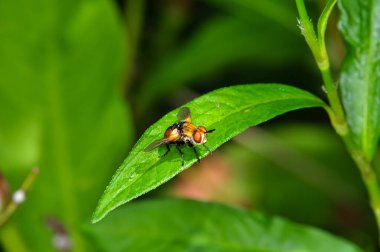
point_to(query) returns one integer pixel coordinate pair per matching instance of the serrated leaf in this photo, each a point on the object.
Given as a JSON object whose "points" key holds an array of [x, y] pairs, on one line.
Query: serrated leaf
{"points": [[360, 78], [228, 110], [185, 225]]}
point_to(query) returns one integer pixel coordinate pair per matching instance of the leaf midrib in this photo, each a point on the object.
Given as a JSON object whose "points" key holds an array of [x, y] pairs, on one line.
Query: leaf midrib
{"points": [[369, 87], [124, 187]]}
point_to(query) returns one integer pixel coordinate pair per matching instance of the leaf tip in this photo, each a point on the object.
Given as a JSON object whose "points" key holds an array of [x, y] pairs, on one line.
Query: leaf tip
{"points": [[96, 217], [98, 214]]}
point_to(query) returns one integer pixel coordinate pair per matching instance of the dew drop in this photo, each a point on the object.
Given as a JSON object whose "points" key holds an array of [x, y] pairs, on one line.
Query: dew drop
{"points": [[132, 175], [19, 196]]}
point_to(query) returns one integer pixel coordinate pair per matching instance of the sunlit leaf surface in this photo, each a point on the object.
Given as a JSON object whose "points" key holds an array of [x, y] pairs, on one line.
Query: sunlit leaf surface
{"points": [[228, 110], [360, 78]]}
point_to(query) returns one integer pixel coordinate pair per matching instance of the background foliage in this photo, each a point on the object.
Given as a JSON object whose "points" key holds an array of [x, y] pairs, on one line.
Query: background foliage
{"points": [[81, 80], [61, 110]]}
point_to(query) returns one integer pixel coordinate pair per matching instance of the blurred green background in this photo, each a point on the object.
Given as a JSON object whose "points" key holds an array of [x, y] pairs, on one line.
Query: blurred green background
{"points": [[81, 80]]}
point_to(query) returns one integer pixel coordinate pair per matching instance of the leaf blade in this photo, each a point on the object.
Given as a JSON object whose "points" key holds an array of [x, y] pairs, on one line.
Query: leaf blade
{"points": [[60, 110], [182, 225], [228, 110], [360, 81], [202, 54]]}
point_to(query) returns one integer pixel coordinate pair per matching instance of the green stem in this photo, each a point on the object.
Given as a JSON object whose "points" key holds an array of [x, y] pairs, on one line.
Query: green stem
{"points": [[307, 30], [318, 48], [336, 113], [338, 119], [370, 180], [12, 206]]}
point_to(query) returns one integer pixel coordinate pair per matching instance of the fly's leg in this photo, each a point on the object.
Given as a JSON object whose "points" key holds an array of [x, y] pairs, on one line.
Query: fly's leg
{"points": [[196, 154], [167, 151], [207, 149], [195, 151], [209, 131], [180, 152]]}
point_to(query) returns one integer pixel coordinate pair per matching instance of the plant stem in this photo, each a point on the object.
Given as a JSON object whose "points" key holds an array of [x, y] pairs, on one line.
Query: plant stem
{"points": [[338, 120], [12, 206], [336, 113], [318, 48], [307, 30], [370, 180]]}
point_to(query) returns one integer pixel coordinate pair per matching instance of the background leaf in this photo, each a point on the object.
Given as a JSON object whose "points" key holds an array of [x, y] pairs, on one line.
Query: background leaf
{"points": [[279, 168], [228, 110], [280, 12], [60, 109], [360, 79], [183, 225], [212, 49], [305, 177]]}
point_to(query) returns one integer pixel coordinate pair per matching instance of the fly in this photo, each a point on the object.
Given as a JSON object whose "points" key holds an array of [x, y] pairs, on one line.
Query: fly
{"points": [[184, 132]]}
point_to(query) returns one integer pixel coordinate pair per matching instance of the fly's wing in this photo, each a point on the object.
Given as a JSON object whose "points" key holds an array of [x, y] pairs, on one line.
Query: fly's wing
{"points": [[155, 144], [184, 115]]}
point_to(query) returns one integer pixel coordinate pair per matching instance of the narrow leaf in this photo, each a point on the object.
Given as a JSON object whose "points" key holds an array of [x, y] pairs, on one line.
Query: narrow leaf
{"points": [[212, 48], [228, 110], [322, 21], [185, 225], [360, 78], [279, 11]]}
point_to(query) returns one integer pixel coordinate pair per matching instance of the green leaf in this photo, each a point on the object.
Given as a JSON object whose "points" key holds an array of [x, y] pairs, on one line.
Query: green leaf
{"points": [[322, 21], [213, 48], [228, 110], [279, 11], [60, 109], [185, 225], [265, 161], [360, 78]]}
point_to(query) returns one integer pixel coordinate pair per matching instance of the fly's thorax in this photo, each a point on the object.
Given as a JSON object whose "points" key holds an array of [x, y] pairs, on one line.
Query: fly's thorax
{"points": [[188, 129]]}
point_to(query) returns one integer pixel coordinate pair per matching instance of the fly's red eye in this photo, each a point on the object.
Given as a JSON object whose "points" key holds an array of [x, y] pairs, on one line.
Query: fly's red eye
{"points": [[197, 136]]}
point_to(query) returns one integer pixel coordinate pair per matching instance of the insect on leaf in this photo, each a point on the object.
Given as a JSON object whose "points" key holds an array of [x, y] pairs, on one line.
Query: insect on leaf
{"points": [[228, 110]]}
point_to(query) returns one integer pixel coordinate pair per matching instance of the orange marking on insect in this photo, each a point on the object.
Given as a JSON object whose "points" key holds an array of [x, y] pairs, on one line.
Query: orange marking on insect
{"points": [[181, 133]]}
